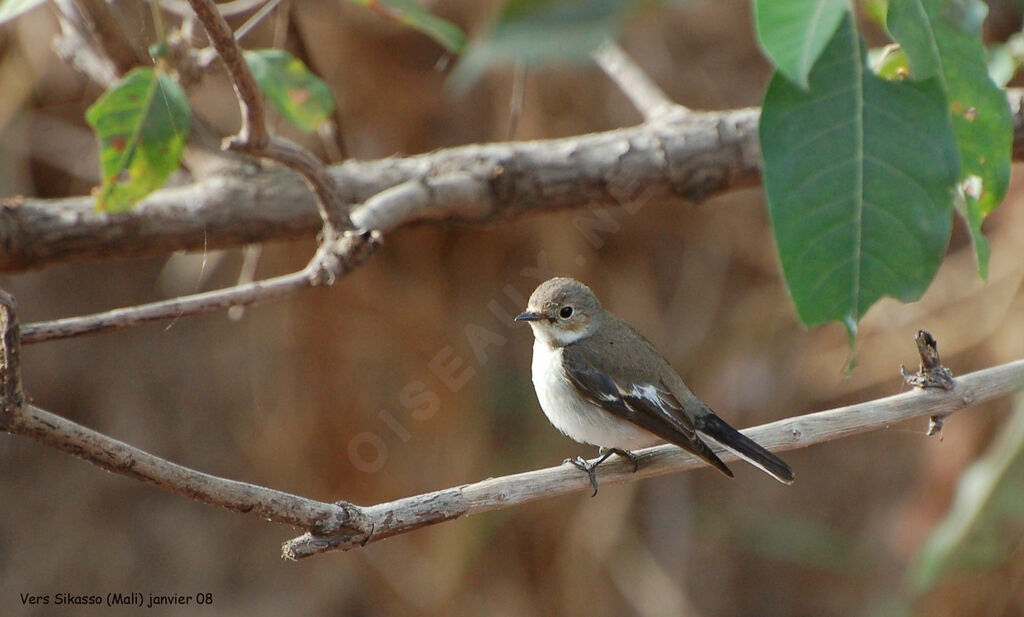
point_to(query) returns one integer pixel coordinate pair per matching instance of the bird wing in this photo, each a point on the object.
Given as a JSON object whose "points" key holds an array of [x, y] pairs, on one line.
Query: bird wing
{"points": [[650, 405]]}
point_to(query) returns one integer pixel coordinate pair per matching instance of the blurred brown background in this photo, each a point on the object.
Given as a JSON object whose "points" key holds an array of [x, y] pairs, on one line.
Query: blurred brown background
{"points": [[303, 394]]}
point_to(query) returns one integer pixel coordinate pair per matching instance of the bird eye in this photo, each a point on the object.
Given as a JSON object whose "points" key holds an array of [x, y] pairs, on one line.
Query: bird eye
{"points": [[566, 312]]}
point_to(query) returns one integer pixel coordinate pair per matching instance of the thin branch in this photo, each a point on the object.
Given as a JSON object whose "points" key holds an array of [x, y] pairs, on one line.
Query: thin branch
{"points": [[251, 254], [516, 97], [19, 418], [77, 46], [330, 203], [255, 19], [105, 28], [404, 515], [650, 100], [253, 133], [331, 261], [233, 8], [253, 137]]}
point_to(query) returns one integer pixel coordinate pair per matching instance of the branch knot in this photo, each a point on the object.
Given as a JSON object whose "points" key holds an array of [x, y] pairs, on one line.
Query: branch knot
{"points": [[339, 254]]}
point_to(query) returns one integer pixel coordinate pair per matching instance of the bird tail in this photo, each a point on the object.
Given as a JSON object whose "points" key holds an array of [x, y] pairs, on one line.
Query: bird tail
{"points": [[744, 447]]}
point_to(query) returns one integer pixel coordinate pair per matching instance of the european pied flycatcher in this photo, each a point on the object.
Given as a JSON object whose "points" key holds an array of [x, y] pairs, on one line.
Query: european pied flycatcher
{"points": [[600, 382]]}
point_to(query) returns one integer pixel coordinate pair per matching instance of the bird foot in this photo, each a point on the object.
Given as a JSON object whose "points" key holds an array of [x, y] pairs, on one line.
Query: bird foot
{"points": [[590, 468], [587, 468]]}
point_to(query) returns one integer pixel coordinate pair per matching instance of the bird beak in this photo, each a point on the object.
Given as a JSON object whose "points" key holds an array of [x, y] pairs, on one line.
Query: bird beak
{"points": [[529, 316]]}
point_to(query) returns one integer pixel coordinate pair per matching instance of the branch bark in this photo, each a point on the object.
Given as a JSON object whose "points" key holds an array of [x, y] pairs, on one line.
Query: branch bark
{"points": [[678, 160], [674, 160]]}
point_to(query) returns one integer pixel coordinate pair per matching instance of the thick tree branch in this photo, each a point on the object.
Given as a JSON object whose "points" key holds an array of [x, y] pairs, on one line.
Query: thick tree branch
{"points": [[674, 160]]}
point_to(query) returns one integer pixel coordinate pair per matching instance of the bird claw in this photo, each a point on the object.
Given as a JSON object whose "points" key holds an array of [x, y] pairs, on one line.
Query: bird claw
{"points": [[590, 468], [587, 468]]}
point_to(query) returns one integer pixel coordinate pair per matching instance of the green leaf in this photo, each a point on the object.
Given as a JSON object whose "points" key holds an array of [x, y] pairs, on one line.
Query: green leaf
{"points": [[942, 39], [541, 31], [793, 33], [142, 123], [297, 94], [986, 520], [11, 9], [859, 173], [411, 14]]}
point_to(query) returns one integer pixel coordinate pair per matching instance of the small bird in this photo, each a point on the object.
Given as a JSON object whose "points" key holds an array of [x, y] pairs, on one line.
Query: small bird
{"points": [[600, 382]]}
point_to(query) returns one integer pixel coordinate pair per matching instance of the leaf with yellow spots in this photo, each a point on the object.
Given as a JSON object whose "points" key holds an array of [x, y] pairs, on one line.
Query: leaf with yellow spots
{"points": [[142, 123], [942, 39], [296, 93]]}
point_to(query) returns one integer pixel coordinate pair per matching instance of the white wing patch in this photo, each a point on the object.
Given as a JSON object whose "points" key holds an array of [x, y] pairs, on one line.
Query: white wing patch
{"points": [[650, 393]]}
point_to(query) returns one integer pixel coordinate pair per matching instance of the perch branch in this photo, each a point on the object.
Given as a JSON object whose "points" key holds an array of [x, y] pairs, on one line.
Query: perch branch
{"points": [[404, 515], [343, 525]]}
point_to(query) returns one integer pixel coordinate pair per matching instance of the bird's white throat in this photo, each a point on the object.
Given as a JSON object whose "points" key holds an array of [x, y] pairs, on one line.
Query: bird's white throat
{"points": [[554, 336]]}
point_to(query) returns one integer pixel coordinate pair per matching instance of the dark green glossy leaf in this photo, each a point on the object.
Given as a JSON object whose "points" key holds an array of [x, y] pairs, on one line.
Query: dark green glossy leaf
{"points": [[297, 94], [142, 123], [859, 173]]}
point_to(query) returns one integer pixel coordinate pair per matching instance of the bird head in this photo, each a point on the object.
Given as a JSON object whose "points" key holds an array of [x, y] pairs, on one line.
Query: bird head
{"points": [[562, 311]]}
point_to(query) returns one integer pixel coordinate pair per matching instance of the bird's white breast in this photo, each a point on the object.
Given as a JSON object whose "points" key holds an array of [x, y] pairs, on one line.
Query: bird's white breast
{"points": [[575, 416]]}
